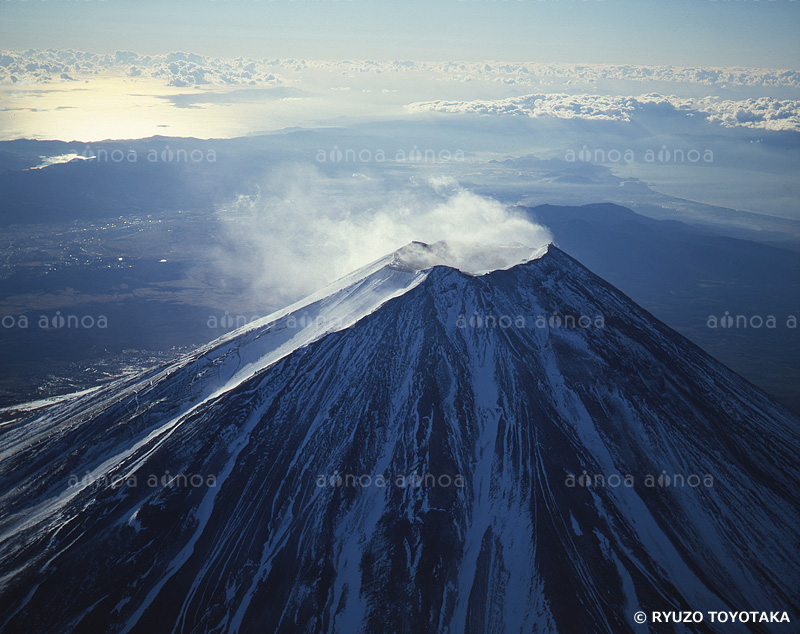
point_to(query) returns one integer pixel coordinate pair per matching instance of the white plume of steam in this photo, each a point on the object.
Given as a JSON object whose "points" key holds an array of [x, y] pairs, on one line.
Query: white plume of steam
{"points": [[304, 229]]}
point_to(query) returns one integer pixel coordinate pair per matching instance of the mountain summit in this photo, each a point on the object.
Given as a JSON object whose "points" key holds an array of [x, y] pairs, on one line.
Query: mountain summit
{"points": [[444, 441], [467, 257]]}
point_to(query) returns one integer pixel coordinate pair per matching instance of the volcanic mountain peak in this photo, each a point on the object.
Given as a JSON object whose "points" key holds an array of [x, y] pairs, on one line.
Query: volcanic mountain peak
{"points": [[468, 257], [412, 449], [342, 303]]}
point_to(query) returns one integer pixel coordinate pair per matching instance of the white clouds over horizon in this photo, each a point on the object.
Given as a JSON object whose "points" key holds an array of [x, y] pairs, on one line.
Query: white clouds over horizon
{"points": [[239, 96], [182, 69], [763, 113]]}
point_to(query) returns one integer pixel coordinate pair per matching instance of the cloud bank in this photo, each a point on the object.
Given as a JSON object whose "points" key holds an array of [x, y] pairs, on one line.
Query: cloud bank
{"points": [[174, 69], [763, 113], [182, 69]]}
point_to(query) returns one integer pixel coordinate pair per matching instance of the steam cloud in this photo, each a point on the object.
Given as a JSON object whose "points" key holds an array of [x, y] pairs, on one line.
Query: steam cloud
{"points": [[304, 229]]}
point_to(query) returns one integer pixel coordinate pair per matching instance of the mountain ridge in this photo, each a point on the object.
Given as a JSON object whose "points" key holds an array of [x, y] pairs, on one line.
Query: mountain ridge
{"points": [[514, 410]]}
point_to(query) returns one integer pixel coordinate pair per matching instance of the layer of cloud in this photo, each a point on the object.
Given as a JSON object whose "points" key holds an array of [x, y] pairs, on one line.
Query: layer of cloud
{"points": [[47, 161], [762, 113], [765, 112], [304, 230], [174, 69], [187, 69]]}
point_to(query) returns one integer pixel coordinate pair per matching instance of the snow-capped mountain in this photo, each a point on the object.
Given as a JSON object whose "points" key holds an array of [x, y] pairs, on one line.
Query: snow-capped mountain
{"points": [[448, 440]]}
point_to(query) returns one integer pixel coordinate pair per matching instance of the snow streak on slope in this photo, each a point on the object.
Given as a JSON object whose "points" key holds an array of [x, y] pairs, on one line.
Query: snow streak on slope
{"points": [[419, 375]]}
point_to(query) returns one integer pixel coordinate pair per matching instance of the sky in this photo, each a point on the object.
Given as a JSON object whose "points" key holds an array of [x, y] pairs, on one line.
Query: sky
{"points": [[754, 33], [725, 74]]}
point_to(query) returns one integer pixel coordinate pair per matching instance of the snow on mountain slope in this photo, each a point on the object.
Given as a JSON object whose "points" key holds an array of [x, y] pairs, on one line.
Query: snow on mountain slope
{"points": [[238, 490]]}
